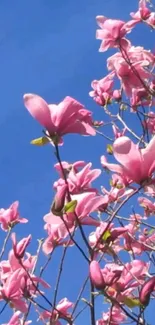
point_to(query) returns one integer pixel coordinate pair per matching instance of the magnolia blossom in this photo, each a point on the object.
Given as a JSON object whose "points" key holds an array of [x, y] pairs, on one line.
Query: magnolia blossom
{"points": [[112, 33], [151, 20], [102, 93], [150, 122], [86, 204], [61, 311], [20, 247], [11, 291], [138, 54], [143, 12], [137, 165], [104, 277], [67, 117], [117, 132], [78, 180], [67, 167], [106, 239], [16, 319], [57, 234], [132, 69], [146, 290], [140, 96], [149, 206], [116, 316], [132, 276], [10, 217]]}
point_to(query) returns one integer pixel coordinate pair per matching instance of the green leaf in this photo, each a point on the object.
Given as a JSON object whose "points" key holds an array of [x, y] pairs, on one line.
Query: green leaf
{"points": [[132, 302], [123, 107], [109, 149], [106, 235], [70, 206], [151, 231], [40, 141]]}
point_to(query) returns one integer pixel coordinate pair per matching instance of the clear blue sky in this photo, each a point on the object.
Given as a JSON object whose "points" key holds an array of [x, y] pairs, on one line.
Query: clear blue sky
{"points": [[48, 47]]}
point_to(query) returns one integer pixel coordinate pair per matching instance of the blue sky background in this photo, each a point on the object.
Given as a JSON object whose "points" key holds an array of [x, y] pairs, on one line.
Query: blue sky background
{"points": [[48, 47]]}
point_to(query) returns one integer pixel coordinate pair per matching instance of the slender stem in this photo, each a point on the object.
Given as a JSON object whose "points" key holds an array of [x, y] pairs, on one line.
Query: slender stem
{"points": [[3, 308], [34, 268], [79, 295], [69, 199], [129, 130], [115, 213], [59, 276], [92, 304]]}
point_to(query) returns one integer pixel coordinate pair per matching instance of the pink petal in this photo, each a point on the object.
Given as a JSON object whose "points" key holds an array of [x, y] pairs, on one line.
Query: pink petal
{"points": [[112, 167], [149, 156], [127, 153], [39, 109]]}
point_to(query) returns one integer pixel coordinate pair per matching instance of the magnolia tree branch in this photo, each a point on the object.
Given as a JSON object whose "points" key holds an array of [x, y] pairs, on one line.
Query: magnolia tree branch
{"points": [[117, 245]]}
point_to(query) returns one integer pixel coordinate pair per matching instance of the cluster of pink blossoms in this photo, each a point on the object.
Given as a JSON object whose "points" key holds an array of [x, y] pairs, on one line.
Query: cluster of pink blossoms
{"points": [[132, 66], [119, 249]]}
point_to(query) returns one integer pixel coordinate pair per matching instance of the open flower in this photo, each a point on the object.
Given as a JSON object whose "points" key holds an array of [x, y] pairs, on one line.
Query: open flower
{"points": [[69, 116], [10, 217], [137, 165], [112, 32], [102, 89], [143, 12]]}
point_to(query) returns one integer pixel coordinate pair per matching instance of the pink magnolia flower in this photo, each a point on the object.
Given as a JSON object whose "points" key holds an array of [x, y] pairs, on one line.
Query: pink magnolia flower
{"points": [[127, 76], [104, 277], [12, 264], [147, 288], [61, 311], [132, 276], [79, 180], [67, 117], [102, 92], [11, 291], [135, 54], [102, 237], [7, 267], [16, 320], [151, 20], [86, 204], [143, 13], [67, 167], [112, 33], [140, 60], [150, 122], [137, 165], [138, 240], [10, 217], [130, 242], [149, 206], [116, 193], [117, 95], [63, 306], [140, 97], [132, 273], [117, 132], [20, 247], [96, 276], [116, 316], [57, 234], [145, 241], [149, 188], [28, 286]]}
